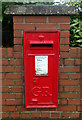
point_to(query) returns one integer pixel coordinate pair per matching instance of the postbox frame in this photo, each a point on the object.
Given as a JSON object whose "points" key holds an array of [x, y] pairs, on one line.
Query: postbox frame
{"points": [[25, 69]]}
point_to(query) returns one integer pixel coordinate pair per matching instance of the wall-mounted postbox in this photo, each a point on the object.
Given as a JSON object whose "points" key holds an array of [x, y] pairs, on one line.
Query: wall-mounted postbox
{"points": [[41, 53]]}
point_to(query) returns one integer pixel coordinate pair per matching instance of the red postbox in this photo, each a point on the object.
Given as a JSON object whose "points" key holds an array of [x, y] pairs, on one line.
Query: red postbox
{"points": [[41, 56]]}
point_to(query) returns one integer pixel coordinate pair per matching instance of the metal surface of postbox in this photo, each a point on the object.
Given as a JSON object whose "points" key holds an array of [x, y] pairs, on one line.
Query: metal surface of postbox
{"points": [[41, 56]]}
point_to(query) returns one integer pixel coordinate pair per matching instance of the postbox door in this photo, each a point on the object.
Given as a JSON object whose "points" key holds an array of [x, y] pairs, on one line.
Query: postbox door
{"points": [[41, 84]]}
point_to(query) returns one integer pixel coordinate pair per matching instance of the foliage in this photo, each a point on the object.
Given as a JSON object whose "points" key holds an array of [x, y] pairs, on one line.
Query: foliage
{"points": [[75, 27], [75, 33]]}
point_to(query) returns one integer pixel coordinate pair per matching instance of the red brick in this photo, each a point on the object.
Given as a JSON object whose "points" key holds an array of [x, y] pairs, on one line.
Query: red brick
{"points": [[73, 52], [2, 76], [1, 115], [7, 82], [0, 89], [18, 41], [64, 41], [9, 52], [79, 94], [5, 89], [73, 55], [18, 34], [4, 62], [63, 76], [70, 69], [75, 75], [80, 114], [64, 26], [24, 27], [64, 55], [75, 115], [79, 55], [17, 19], [78, 89], [69, 82], [78, 62], [7, 69], [15, 115], [64, 48], [64, 34], [8, 96], [35, 19], [65, 115], [60, 89], [25, 115], [53, 114], [19, 83], [13, 76], [62, 102], [19, 96], [18, 48], [79, 50], [66, 108], [74, 102], [59, 19], [16, 62], [1, 61], [18, 55], [2, 102], [35, 114], [1, 69], [68, 95], [81, 82], [19, 69], [71, 89], [5, 115], [69, 62], [0, 52], [79, 108], [14, 102], [17, 90], [45, 114], [21, 108], [46, 27], [8, 108], [4, 52]]}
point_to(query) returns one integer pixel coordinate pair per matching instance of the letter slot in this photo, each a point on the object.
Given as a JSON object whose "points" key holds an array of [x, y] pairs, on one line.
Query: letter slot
{"points": [[41, 45]]}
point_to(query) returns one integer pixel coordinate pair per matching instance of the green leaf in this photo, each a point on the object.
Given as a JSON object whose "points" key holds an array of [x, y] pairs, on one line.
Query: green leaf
{"points": [[77, 36], [72, 25], [80, 40], [77, 31], [5, 12]]}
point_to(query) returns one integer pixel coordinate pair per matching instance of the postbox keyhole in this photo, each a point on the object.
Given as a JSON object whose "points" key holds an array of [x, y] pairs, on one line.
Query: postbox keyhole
{"points": [[35, 80]]}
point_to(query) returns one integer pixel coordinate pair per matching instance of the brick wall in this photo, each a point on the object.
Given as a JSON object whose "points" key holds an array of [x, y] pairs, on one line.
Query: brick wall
{"points": [[69, 71]]}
